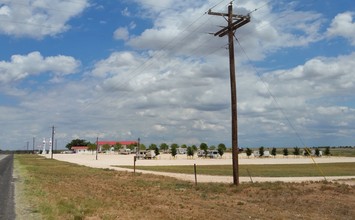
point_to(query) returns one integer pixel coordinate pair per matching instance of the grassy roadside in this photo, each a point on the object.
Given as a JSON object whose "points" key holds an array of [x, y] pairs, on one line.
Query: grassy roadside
{"points": [[274, 170], [60, 190]]}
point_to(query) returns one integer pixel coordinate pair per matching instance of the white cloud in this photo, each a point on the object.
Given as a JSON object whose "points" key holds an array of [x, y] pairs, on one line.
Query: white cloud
{"points": [[121, 34], [37, 19], [174, 86], [22, 66], [344, 26], [186, 31], [126, 12]]}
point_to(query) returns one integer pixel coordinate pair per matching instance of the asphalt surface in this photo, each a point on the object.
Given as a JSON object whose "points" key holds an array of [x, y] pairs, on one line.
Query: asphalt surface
{"points": [[7, 204]]}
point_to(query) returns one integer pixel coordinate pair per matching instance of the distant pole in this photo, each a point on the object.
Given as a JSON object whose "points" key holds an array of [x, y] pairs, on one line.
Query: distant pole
{"points": [[97, 146], [134, 164], [195, 174], [52, 142], [138, 147], [56, 144], [28, 146], [234, 22], [33, 145]]}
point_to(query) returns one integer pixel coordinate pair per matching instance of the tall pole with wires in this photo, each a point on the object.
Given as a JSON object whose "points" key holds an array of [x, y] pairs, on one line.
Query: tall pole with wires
{"points": [[234, 22]]}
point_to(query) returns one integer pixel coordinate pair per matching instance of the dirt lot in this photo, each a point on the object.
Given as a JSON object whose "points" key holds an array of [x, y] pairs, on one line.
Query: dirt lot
{"points": [[111, 160]]}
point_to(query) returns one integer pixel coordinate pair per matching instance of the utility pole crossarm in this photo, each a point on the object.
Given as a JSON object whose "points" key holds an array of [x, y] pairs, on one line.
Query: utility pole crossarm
{"points": [[210, 12], [235, 25]]}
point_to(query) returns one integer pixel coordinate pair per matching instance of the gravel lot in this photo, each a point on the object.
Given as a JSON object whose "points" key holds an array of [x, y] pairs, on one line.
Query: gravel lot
{"points": [[111, 160]]}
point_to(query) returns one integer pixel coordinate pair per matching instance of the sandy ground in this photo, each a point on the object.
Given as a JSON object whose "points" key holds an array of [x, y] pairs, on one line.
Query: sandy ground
{"points": [[111, 160]]}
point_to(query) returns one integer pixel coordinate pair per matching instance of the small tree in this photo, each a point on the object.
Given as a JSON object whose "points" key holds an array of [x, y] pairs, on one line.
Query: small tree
{"points": [[132, 146], [152, 147], [327, 151], [194, 148], [273, 152], [92, 147], [190, 151], [164, 147], [156, 150], [221, 149], [117, 146], [285, 152], [106, 147], [142, 147], [261, 151], [317, 152], [248, 152], [204, 147], [296, 151], [173, 150], [77, 142]]}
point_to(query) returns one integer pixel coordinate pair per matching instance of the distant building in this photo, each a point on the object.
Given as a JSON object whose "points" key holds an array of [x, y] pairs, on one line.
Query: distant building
{"points": [[84, 149], [80, 149], [124, 144]]}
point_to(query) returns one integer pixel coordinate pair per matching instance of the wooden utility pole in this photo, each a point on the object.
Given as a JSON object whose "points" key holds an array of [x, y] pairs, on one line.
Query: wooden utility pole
{"points": [[97, 146], [234, 22], [53, 131]]}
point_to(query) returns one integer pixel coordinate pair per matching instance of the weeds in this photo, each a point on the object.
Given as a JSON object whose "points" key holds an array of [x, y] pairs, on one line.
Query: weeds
{"points": [[66, 191]]}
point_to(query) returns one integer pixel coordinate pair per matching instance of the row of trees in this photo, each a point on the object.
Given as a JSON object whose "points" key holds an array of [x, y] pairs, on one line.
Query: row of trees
{"points": [[163, 147], [285, 151]]}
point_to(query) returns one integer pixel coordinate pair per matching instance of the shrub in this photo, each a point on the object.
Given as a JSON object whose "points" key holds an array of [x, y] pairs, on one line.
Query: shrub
{"points": [[296, 151], [248, 152], [285, 152], [261, 151], [273, 151]]}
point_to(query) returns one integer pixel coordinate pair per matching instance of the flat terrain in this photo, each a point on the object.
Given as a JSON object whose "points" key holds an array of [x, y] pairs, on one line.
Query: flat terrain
{"points": [[60, 190], [113, 161]]}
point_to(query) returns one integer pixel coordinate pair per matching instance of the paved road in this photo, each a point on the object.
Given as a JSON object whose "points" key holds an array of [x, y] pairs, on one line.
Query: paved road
{"points": [[7, 206]]}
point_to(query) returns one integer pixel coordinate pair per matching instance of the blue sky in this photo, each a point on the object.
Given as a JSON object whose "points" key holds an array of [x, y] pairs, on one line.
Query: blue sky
{"points": [[119, 70]]}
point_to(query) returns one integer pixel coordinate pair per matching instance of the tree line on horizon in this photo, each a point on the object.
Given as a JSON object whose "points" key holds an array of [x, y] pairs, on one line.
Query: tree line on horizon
{"points": [[163, 147]]}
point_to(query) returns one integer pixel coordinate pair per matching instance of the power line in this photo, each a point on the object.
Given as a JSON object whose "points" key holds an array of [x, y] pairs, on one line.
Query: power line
{"points": [[278, 106]]}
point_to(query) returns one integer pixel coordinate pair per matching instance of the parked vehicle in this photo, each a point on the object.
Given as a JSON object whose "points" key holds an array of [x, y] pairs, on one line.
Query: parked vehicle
{"points": [[141, 154], [125, 151], [201, 153], [212, 153], [150, 154]]}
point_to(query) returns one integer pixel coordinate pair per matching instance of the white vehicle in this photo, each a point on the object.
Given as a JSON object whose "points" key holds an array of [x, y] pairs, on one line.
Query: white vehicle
{"points": [[212, 153], [141, 154], [201, 153], [125, 151], [150, 154]]}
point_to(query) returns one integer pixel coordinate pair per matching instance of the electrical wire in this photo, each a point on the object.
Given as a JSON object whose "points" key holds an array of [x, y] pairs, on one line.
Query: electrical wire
{"points": [[278, 106]]}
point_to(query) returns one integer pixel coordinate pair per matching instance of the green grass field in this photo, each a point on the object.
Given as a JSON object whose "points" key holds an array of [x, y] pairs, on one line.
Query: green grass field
{"points": [[53, 189], [294, 170]]}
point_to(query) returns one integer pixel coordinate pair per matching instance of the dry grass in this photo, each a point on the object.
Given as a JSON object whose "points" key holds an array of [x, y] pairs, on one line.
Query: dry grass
{"points": [[65, 191], [270, 170]]}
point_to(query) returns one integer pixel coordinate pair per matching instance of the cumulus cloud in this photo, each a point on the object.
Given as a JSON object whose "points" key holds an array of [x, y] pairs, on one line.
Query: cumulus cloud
{"points": [[22, 66], [186, 31], [174, 86], [121, 34], [37, 19], [344, 26]]}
